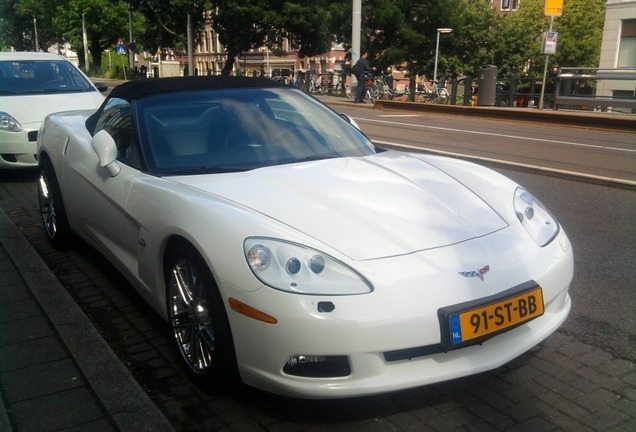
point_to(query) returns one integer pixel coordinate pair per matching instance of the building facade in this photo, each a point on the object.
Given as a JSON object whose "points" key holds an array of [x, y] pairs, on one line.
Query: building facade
{"points": [[618, 49]]}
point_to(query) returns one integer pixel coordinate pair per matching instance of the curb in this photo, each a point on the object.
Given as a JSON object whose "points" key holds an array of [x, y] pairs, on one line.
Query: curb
{"points": [[125, 401]]}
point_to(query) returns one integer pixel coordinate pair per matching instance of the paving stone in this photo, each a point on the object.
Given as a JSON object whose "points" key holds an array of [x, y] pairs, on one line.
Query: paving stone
{"points": [[598, 400], [563, 405], [490, 415], [14, 293], [24, 330], [56, 411], [563, 389], [521, 375], [606, 419], [533, 425], [595, 357], [31, 353], [526, 410], [618, 367], [524, 391], [12, 311], [566, 423], [40, 380], [451, 420]]}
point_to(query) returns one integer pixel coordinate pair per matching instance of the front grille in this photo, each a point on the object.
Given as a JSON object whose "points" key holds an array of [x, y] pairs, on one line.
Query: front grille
{"points": [[411, 353], [33, 136]]}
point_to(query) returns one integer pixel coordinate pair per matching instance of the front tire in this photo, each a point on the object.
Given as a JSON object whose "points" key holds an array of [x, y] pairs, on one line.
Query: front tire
{"points": [[198, 318], [52, 208]]}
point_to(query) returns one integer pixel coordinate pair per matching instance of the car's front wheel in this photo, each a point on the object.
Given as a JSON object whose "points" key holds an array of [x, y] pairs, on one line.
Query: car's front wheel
{"points": [[52, 208], [198, 318]]}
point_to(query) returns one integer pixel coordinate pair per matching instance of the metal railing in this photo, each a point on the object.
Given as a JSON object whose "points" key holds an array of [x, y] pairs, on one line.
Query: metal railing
{"points": [[569, 80]]}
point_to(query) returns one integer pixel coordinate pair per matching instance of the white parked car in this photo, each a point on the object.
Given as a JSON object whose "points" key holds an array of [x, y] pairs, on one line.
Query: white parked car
{"points": [[280, 243], [32, 85]]}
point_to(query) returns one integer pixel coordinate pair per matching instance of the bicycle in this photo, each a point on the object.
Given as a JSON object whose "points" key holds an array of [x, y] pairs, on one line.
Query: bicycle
{"points": [[438, 95], [383, 86]]}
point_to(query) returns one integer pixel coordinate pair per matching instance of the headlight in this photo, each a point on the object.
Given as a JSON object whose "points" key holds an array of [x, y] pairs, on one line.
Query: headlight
{"points": [[8, 123], [294, 268], [539, 223]]}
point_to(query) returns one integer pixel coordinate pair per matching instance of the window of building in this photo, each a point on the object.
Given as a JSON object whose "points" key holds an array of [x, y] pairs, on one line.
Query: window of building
{"points": [[507, 5], [627, 47]]}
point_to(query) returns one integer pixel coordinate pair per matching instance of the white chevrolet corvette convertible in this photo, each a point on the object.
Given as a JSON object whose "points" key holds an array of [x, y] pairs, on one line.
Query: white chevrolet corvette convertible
{"points": [[283, 247]]}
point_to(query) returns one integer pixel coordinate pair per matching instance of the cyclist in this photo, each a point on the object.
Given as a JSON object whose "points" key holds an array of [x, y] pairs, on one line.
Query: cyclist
{"points": [[358, 70]]}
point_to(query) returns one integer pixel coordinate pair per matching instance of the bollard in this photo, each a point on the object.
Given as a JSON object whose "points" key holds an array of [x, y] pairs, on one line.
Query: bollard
{"points": [[512, 91], [468, 90], [454, 84], [412, 88]]}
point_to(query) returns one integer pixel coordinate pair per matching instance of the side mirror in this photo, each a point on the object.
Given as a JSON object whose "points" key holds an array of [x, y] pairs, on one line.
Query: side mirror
{"points": [[351, 121], [104, 145], [101, 86]]}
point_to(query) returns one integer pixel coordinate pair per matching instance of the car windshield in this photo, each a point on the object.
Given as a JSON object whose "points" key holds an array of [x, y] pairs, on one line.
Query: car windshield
{"points": [[29, 77], [241, 129]]}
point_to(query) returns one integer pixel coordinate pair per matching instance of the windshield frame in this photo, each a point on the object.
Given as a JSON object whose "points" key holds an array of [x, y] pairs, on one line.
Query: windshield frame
{"points": [[236, 130], [27, 77]]}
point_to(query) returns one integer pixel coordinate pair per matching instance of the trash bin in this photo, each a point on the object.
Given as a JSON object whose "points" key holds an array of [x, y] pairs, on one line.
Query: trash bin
{"points": [[487, 85]]}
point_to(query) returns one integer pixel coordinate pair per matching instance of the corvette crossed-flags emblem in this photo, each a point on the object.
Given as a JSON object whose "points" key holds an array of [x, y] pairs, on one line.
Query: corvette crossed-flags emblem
{"points": [[478, 274]]}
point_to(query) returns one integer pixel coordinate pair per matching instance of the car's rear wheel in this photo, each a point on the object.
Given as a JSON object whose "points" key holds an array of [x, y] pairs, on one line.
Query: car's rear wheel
{"points": [[52, 207], [198, 318]]}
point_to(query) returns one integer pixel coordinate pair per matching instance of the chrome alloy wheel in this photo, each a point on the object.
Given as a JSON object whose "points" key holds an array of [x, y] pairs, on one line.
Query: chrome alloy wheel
{"points": [[47, 205], [190, 316]]}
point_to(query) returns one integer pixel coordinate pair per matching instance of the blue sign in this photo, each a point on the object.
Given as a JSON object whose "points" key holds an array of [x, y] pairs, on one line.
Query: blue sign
{"points": [[121, 49]]}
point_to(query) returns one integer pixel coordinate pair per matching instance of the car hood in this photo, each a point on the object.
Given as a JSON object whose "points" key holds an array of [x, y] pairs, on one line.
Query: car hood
{"points": [[30, 110], [377, 206]]}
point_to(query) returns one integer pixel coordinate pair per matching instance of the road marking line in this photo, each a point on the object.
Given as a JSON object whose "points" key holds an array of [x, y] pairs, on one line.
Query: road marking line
{"points": [[399, 115], [499, 135], [629, 183]]}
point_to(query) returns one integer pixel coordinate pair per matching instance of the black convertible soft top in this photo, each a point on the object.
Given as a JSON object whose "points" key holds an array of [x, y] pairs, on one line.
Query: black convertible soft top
{"points": [[149, 87]]}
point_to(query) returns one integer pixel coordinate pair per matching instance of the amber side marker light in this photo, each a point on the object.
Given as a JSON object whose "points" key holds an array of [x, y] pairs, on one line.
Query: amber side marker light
{"points": [[249, 311]]}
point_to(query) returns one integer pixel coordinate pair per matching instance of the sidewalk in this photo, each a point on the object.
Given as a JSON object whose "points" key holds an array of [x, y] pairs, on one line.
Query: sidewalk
{"points": [[56, 371]]}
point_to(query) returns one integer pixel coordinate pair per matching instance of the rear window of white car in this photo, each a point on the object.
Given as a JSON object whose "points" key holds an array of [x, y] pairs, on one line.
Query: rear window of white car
{"points": [[25, 77]]}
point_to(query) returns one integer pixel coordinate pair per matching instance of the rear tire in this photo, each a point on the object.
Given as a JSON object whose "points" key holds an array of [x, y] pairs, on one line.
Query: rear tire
{"points": [[198, 319], [52, 208]]}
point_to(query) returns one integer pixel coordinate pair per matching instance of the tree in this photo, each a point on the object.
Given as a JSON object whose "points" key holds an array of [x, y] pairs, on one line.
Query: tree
{"points": [[474, 39], [105, 20], [19, 20], [580, 31], [247, 24]]}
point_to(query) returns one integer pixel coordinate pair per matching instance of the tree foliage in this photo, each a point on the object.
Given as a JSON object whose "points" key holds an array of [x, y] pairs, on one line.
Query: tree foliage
{"points": [[247, 24], [400, 33]]}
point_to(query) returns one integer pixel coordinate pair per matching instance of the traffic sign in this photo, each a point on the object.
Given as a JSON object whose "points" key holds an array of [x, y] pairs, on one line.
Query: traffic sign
{"points": [[553, 8]]}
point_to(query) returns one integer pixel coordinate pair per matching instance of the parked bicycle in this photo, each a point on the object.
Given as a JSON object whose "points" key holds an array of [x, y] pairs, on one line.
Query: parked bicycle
{"points": [[435, 94]]}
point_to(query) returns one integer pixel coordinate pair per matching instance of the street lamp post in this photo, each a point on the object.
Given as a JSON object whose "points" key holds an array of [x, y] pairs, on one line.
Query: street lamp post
{"points": [[439, 31]]}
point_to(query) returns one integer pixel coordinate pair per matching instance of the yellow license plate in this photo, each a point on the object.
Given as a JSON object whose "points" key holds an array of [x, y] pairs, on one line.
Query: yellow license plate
{"points": [[495, 317]]}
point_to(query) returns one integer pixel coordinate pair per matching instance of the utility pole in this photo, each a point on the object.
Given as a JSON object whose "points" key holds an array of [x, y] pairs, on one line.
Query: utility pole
{"points": [[131, 54], [190, 53], [35, 30], [356, 29], [85, 41]]}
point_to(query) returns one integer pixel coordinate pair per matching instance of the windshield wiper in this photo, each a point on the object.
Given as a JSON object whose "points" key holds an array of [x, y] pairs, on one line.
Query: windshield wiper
{"points": [[314, 158], [206, 170]]}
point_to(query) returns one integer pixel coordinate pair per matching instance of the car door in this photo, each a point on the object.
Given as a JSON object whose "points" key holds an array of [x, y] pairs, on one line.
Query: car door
{"points": [[97, 199]]}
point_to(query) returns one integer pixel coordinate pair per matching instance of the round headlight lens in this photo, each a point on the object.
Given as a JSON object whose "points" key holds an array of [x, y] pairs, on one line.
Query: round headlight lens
{"points": [[317, 264], [292, 266], [259, 257]]}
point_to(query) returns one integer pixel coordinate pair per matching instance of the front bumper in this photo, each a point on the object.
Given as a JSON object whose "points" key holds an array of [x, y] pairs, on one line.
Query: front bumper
{"points": [[18, 149], [400, 314]]}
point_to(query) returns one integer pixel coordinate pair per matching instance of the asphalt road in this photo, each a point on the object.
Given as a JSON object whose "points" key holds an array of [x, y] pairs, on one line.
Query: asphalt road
{"points": [[590, 152]]}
